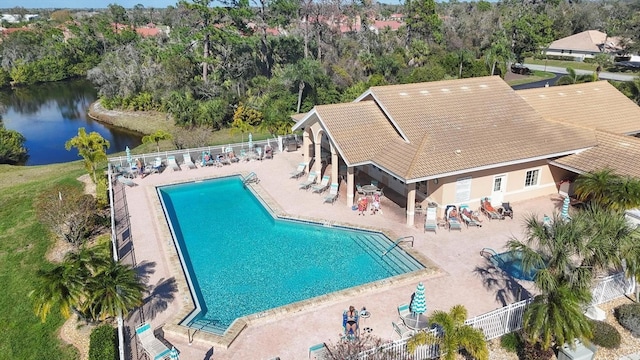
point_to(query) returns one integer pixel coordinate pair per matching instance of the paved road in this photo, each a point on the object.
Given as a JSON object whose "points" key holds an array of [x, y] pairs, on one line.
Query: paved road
{"points": [[537, 84], [603, 75]]}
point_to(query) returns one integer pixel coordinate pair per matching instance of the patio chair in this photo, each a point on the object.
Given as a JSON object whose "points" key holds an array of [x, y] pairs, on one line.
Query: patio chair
{"points": [[506, 210], [359, 190], [319, 352], [311, 179], [488, 210], [453, 218], [351, 334], [403, 311], [123, 180], [468, 217], [333, 194], [298, 171], [402, 330], [324, 185], [151, 345], [431, 220], [154, 167], [268, 152], [171, 162], [187, 161]]}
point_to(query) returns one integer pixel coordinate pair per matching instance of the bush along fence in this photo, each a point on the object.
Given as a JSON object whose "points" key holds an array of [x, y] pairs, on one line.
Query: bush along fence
{"points": [[502, 321]]}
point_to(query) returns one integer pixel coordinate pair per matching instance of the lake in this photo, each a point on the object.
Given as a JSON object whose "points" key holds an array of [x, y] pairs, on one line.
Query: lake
{"points": [[48, 115]]}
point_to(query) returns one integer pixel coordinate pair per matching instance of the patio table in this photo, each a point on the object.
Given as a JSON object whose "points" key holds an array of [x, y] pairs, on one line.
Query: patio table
{"points": [[416, 321], [369, 189]]}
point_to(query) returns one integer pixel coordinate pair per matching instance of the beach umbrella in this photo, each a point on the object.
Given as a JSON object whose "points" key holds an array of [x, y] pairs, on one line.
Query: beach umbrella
{"points": [[419, 302], [565, 208], [228, 149], [203, 162], [129, 158], [173, 354], [250, 141]]}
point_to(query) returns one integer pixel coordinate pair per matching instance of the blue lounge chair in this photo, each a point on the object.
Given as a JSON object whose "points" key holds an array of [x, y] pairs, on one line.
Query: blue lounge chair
{"points": [[333, 194], [351, 334], [311, 179], [324, 185], [431, 220], [151, 345], [453, 218], [468, 216], [319, 352]]}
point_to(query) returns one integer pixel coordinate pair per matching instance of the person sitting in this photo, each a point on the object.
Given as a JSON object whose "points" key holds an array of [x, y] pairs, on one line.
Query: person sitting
{"points": [[471, 215], [375, 205], [350, 321], [362, 205]]}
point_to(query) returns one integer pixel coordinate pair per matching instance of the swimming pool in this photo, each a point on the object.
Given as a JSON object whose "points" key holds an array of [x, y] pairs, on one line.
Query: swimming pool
{"points": [[511, 263], [242, 260]]}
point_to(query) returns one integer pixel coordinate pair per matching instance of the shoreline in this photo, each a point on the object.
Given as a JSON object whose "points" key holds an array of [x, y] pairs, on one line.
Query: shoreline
{"points": [[143, 122]]}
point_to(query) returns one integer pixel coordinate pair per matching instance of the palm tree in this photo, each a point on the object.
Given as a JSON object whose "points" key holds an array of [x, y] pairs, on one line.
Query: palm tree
{"points": [[92, 147], [573, 78], [156, 137], [607, 189], [61, 287], [304, 72], [113, 290], [455, 335]]}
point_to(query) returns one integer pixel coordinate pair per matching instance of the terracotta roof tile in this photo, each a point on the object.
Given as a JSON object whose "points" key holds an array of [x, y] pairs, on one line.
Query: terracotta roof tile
{"points": [[595, 105], [614, 152]]}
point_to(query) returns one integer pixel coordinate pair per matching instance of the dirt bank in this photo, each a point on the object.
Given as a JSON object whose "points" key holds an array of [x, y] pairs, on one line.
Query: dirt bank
{"points": [[144, 122]]}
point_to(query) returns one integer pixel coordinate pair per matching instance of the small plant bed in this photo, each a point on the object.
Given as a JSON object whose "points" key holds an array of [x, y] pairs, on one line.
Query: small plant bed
{"points": [[628, 344]]}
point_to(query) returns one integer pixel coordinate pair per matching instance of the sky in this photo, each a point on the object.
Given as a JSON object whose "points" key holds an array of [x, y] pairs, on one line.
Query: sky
{"points": [[29, 4]]}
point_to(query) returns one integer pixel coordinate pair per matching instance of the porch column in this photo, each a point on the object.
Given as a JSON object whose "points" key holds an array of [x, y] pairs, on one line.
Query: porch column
{"points": [[350, 186], [411, 203], [306, 142], [334, 166], [318, 156]]}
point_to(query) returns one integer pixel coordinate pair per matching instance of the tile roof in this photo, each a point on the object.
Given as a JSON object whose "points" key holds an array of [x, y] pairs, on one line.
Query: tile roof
{"points": [[589, 40], [595, 105], [425, 130], [614, 151]]}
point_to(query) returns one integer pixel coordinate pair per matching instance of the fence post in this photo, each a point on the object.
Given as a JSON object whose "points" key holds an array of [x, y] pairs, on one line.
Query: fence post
{"points": [[506, 323]]}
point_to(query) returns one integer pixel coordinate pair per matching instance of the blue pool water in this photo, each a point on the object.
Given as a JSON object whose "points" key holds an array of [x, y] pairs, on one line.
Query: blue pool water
{"points": [[242, 260], [511, 263]]}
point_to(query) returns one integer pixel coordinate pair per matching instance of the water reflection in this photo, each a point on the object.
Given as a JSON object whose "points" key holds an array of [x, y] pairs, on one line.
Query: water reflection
{"points": [[50, 114]]}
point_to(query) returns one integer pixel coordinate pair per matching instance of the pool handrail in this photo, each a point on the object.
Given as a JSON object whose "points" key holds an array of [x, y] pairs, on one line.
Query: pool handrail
{"points": [[490, 251], [395, 243]]}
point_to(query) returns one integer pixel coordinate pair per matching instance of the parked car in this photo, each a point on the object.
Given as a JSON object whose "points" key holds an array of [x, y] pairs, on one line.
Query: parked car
{"points": [[520, 69]]}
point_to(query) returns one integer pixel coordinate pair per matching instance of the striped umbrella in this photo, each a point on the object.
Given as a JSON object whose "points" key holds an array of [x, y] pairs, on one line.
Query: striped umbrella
{"points": [[565, 208], [250, 141], [173, 354], [129, 158], [419, 302]]}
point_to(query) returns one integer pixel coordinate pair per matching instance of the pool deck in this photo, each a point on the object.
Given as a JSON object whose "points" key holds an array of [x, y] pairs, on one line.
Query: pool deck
{"points": [[456, 272]]}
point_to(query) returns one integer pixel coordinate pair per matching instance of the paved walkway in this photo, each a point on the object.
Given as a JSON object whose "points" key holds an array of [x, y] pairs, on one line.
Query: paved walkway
{"points": [[461, 275]]}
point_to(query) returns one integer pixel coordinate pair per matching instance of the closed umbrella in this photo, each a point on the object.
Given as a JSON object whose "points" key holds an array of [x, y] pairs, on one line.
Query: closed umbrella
{"points": [[565, 208], [129, 158], [250, 141], [173, 354], [417, 320]]}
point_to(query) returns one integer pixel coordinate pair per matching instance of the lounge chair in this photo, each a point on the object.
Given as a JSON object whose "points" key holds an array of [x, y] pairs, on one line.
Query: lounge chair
{"points": [[333, 194], [311, 179], [453, 218], [431, 220], [359, 190], [268, 152], [151, 345], [123, 180], [468, 217], [402, 330], [488, 210], [298, 171], [154, 167], [319, 352], [403, 311], [324, 185], [171, 162], [351, 334], [187, 161]]}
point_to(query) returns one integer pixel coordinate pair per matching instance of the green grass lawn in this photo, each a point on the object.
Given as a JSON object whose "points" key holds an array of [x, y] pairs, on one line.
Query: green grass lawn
{"points": [[563, 64], [23, 245], [536, 76]]}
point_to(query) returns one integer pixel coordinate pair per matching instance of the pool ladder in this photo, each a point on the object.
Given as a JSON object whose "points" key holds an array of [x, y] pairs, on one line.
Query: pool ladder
{"points": [[251, 178], [395, 243]]}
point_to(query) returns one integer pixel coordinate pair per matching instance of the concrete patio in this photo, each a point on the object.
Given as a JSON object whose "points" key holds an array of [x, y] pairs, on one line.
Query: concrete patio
{"points": [[458, 273]]}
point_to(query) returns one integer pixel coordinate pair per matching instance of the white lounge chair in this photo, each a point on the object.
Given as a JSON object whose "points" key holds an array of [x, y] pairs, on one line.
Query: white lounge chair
{"points": [[151, 345], [319, 352], [402, 330], [431, 220], [324, 185], [333, 194], [311, 179], [299, 171], [187, 161], [171, 162]]}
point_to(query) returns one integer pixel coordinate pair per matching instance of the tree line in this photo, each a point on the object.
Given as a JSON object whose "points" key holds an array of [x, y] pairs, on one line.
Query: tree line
{"points": [[278, 57]]}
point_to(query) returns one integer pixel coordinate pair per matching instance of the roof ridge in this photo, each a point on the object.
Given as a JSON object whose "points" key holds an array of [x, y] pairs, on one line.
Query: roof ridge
{"points": [[416, 155]]}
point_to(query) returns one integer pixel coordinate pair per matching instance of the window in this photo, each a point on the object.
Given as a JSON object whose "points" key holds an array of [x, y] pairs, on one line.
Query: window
{"points": [[463, 189], [532, 178]]}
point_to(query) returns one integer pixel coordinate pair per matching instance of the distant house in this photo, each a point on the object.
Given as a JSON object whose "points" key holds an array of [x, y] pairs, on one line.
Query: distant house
{"points": [[379, 25], [12, 19], [584, 45]]}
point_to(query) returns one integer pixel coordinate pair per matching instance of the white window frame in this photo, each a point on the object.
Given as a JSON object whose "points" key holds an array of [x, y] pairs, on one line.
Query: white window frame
{"points": [[537, 183]]}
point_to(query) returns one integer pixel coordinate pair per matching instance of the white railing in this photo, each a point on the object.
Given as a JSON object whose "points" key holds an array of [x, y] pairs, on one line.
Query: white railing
{"points": [[502, 321], [195, 153]]}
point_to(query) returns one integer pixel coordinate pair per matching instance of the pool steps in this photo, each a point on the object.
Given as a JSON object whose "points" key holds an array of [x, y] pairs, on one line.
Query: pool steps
{"points": [[395, 243], [396, 260]]}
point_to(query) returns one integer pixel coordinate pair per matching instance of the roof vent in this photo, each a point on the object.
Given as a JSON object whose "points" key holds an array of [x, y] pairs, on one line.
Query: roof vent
{"points": [[542, 96], [625, 144], [424, 92], [458, 151], [483, 86], [464, 88], [579, 92], [403, 94], [562, 94], [444, 90]]}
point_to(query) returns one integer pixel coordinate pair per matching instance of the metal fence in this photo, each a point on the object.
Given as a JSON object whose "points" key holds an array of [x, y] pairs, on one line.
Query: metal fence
{"points": [[499, 322]]}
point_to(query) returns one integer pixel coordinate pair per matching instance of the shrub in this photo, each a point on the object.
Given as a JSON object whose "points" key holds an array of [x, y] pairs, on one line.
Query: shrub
{"points": [[103, 343], [628, 315], [605, 335], [511, 342], [534, 351]]}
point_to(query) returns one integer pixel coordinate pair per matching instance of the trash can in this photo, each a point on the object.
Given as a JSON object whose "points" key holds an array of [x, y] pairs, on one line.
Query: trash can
{"points": [[581, 352]]}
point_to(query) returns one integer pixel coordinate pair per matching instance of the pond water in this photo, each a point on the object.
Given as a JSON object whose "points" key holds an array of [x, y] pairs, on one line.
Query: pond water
{"points": [[48, 115]]}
